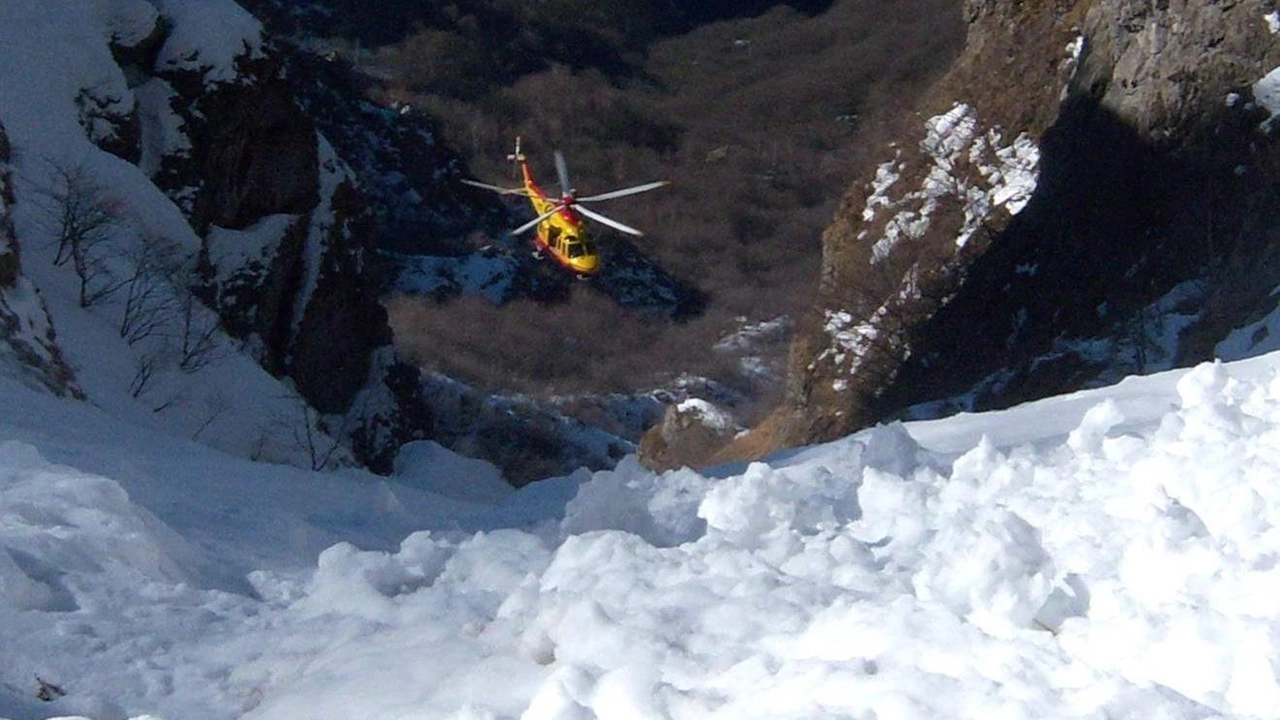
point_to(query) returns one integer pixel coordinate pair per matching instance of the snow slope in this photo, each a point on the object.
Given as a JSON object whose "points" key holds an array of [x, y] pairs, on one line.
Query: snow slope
{"points": [[55, 60], [1108, 554]]}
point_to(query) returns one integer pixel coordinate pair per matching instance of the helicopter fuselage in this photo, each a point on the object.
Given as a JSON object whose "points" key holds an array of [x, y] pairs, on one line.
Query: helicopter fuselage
{"points": [[559, 227], [563, 235]]}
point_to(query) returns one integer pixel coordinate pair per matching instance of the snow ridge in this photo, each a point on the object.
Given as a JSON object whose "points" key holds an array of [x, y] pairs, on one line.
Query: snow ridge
{"points": [[1103, 554]]}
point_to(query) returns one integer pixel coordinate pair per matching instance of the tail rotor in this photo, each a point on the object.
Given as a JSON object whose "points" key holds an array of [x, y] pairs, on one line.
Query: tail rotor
{"points": [[517, 156]]}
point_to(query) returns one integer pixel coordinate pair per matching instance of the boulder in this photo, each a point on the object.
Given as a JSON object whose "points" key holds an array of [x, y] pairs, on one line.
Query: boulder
{"points": [[691, 433]]}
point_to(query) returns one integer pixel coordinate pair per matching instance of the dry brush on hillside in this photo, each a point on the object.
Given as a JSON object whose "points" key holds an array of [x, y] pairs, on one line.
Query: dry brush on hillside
{"points": [[760, 123]]}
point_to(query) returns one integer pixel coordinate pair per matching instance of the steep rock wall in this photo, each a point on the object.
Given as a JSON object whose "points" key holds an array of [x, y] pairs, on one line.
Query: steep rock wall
{"points": [[250, 149], [1082, 162], [285, 239]]}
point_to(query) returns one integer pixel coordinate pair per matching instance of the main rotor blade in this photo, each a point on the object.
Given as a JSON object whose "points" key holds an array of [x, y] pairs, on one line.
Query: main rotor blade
{"points": [[602, 219], [626, 191], [495, 188], [537, 220], [563, 172]]}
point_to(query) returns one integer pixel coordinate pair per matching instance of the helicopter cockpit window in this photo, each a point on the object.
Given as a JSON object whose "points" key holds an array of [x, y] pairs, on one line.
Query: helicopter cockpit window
{"points": [[574, 249]]}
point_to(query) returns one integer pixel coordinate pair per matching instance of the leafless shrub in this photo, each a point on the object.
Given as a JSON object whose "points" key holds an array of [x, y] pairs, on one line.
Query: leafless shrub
{"points": [[83, 220], [296, 429], [159, 304], [215, 406], [47, 691], [145, 367], [149, 289], [312, 435], [197, 334]]}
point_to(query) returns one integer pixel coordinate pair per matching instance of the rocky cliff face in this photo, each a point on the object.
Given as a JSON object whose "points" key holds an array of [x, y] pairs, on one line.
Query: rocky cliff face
{"points": [[1091, 195], [305, 294], [28, 347], [253, 152], [284, 228]]}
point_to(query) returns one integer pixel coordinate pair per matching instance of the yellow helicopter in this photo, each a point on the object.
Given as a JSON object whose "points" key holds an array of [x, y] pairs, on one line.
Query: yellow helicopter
{"points": [[560, 230]]}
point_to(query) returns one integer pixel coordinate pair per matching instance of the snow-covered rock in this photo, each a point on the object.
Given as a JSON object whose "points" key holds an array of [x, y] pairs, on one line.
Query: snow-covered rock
{"points": [[170, 131], [1088, 195], [690, 433]]}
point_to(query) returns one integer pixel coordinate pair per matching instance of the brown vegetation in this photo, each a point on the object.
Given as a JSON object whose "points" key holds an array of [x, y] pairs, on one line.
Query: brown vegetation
{"points": [[585, 344], [760, 124]]}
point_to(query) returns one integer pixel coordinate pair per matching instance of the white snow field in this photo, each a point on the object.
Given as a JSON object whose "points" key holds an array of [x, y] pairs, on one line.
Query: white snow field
{"points": [[1108, 554]]}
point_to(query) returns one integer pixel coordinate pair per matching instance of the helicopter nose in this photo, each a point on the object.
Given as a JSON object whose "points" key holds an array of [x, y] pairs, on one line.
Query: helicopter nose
{"points": [[586, 265]]}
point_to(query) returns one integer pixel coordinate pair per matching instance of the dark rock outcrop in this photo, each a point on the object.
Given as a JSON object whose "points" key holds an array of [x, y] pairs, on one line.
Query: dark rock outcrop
{"points": [[409, 178], [253, 151], [112, 119], [343, 323], [1085, 163], [111, 122], [136, 54], [287, 239]]}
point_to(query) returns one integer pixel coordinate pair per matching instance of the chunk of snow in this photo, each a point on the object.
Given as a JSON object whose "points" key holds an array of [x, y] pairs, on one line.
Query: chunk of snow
{"points": [[1267, 92], [127, 22], [1087, 438], [886, 175], [231, 251], [162, 130], [1203, 385], [427, 465], [1075, 47]]}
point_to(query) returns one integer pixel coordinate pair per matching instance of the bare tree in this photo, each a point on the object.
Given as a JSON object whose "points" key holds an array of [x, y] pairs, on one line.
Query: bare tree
{"points": [[83, 220], [149, 290], [145, 367], [215, 406], [197, 336], [313, 436]]}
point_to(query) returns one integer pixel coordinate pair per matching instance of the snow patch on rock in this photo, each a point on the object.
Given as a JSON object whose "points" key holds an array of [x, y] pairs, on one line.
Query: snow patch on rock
{"points": [[975, 168], [208, 37]]}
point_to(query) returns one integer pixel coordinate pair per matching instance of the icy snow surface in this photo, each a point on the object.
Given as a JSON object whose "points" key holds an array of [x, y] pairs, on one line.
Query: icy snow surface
{"points": [[1107, 554]]}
